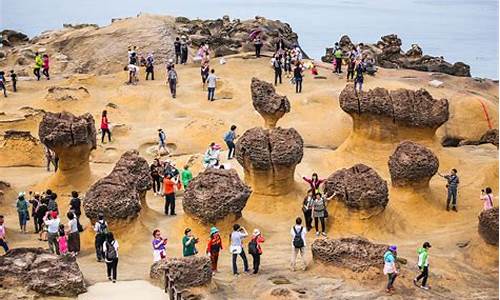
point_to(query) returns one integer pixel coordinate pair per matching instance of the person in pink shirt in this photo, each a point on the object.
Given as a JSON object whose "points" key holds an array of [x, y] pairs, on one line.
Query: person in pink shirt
{"points": [[105, 126], [3, 238], [314, 182], [487, 198], [45, 66]]}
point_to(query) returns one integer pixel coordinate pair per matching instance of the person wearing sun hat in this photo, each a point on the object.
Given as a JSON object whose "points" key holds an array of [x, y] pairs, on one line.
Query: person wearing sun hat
{"points": [[255, 249], [214, 246], [390, 267], [22, 211], [423, 265]]}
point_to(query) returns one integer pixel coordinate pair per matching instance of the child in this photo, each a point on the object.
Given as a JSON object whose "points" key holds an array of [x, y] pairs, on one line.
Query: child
{"points": [[63, 240], [13, 77], [2, 83]]}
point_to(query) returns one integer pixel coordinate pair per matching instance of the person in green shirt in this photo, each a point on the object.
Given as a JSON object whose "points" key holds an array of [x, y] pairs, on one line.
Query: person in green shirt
{"points": [[38, 65], [186, 176], [338, 61], [188, 243]]}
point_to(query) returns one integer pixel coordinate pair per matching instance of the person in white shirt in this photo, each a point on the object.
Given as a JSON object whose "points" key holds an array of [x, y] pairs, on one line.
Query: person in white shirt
{"points": [[211, 85], [298, 233], [236, 248], [52, 221], [110, 247]]}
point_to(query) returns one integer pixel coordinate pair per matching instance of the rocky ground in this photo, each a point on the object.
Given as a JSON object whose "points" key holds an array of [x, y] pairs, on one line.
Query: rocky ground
{"points": [[464, 266]]}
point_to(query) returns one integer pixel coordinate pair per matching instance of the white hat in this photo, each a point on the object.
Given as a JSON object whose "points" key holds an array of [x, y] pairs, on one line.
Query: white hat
{"points": [[256, 232]]}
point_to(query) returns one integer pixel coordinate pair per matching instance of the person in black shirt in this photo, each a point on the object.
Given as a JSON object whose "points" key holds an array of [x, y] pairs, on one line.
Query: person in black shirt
{"points": [[297, 75], [177, 48], [75, 204], [13, 78], [277, 69]]}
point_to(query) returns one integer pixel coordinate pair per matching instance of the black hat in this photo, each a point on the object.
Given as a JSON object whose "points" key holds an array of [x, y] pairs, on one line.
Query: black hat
{"points": [[187, 230], [427, 245]]}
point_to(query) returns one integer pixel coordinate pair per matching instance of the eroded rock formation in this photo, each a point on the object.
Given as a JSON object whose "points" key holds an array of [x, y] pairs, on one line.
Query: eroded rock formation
{"points": [[270, 105], [20, 148], [71, 138], [355, 253], [412, 164], [359, 187], [38, 270], [488, 225], [186, 272], [12, 38], [269, 157], [387, 53], [215, 194], [121, 194], [57, 93], [489, 137]]}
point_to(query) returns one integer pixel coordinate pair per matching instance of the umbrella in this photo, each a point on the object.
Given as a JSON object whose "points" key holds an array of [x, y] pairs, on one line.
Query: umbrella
{"points": [[254, 34]]}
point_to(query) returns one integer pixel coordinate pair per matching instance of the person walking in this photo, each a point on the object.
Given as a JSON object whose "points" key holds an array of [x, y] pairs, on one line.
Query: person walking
{"points": [[52, 222], [45, 66], [177, 50], [277, 66], [298, 77], [22, 211], [159, 246], [298, 243], [452, 186], [189, 242], [186, 176], [169, 193], [3, 235], [314, 183], [214, 246], [13, 78], [319, 213], [110, 250], [390, 267], [211, 85], [236, 247], [229, 138], [150, 69], [105, 126], [38, 65], [162, 141], [307, 206], [255, 249], [258, 46], [173, 79], [423, 265], [101, 230], [487, 198], [73, 233]]}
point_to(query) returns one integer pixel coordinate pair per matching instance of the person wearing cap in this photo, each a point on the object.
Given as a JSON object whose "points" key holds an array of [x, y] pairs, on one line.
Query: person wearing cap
{"points": [[390, 267], [214, 246], [423, 265], [22, 211], [257, 239], [52, 221], [189, 243]]}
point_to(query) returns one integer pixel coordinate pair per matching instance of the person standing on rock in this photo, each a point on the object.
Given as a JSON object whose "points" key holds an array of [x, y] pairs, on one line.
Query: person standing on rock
{"points": [[73, 233], [452, 187], [307, 206], [236, 248], [189, 242], [172, 80], [255, 249], [105, 126], [177, 50], [150, 66], [258, 46], [52, 221], [22, 211], [298, 243], [110, 250], [298, 77], [314, 182], [101, 230], [214, 246], [169, 193], [38, 65], [159, 246], [45, 66], [186, 176], [3, 234], [155, 174], [423, 265], [211, 85], [487, 198], [358, 78], [319, 213], [390, 268], [277, 66], [229, 138]]}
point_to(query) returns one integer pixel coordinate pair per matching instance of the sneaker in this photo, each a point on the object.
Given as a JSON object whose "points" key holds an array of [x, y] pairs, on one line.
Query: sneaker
{"points": [[317, 233], [323, 234], [109, 278], [424, 287], [114, 281]]}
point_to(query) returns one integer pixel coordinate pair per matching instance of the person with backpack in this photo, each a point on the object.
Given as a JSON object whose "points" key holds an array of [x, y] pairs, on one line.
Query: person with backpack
{"points": [[172, 80], [159, 246], [229, 138], [423, 265], [487, 198], [38, 65], [73, 233], [211, 85], [22, 211], [298, 243], [110, 250], [276, 61], [189, 242], [307, 205], [236, 247], [298, 77], [101, 230], [214, 246], [105, 126], [177, 49], [452, 186], [255, 249], [390, 267], [150, 66], [319, 213], [75, 204]]}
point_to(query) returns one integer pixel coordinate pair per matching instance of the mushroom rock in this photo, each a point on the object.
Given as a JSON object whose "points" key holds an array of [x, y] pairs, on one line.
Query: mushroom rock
{"points": [[122, 193], [215, 194], [42, 272], [20, 148], [412, 164], [71, 138], [354, 253], [488, 225], [269, 157], [379, 114], [270, 105], [359, 187], [186, 272]]}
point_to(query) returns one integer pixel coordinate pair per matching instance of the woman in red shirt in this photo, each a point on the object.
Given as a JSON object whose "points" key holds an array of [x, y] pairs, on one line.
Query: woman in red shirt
{"points": [[45, 66], [105, 126], [255, 249]]}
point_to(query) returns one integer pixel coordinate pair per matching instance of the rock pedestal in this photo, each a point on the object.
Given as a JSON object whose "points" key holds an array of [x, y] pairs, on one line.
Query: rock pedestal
{"points": [[270, 105], [488, 225], [186, 272]]}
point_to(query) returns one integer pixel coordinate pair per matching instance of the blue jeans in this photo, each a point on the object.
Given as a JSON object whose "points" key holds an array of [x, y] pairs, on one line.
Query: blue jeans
{"points": [[4, 245], [23, 217], [211, 93], [452, 196]]}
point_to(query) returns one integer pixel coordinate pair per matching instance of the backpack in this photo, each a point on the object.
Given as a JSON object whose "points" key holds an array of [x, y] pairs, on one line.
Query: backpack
{"points": [[226, 136], [297, 239], [103, 228], [252, 246], [110, 251], [172, 75]]}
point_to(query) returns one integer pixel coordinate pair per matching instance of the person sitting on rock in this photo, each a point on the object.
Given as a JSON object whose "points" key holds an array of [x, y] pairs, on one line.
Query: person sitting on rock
{"points": [[3, 235], [159, 246], [211, 157], [390, 268], [452, 187], [214, 246], [487, 198], [189, 242], [101, 230], [314, 182]]}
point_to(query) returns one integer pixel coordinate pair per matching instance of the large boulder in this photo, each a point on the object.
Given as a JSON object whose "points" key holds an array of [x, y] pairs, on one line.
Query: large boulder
{"points": [[270, 105], [354, 253], [122, 193], [488, 225], [186, 272], [412, 164], [214, 194], [70, 137], [359, 187], [12, 38], [269, 157], [38, 270]]}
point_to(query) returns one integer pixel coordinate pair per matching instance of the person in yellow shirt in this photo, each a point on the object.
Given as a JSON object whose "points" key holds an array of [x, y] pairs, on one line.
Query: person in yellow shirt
{"points": [[38, 65]]}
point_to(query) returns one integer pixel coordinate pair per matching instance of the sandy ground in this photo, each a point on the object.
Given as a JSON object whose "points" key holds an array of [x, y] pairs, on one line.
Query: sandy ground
{"points": [[191, 123]]}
